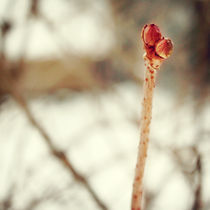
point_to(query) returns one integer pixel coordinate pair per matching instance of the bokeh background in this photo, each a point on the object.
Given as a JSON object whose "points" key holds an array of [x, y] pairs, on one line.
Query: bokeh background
{"points": [[71, 75]]}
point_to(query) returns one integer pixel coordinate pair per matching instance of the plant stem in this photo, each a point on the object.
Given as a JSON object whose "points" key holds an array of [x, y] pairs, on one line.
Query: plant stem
{"points": [[146, 116]]}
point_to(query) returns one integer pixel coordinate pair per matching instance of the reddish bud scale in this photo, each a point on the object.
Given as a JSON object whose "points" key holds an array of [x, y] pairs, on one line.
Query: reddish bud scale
{"points": [[151, 34], [164, 48], [157, 47]]}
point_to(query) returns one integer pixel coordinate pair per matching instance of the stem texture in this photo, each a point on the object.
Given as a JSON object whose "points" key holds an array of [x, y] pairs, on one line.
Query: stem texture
{"points": [[146, 116]]}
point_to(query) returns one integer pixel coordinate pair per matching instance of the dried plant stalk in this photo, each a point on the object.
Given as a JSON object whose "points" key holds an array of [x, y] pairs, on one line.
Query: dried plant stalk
{"points": [[157, 50]]}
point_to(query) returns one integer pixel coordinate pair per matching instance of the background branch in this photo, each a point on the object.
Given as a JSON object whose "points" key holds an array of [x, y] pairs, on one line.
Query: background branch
{"points": [[58, 154]]}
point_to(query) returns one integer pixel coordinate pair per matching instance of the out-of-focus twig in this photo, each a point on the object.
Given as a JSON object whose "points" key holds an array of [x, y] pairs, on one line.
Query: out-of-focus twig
{"points": [[60, 155], [197, 205], [6, 204], [52, 193]]}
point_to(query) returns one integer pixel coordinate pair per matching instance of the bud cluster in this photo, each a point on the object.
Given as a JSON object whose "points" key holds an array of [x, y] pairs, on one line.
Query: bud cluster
{"points": [[156, 46]]}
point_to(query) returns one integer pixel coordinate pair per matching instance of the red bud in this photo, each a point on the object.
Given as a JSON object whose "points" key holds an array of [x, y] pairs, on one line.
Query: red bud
{"points": [[151, 34], [164, 48]]}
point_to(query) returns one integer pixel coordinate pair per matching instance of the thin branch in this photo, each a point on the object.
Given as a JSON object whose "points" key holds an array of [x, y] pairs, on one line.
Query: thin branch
{"points": [[60, 155], [197, 205]]}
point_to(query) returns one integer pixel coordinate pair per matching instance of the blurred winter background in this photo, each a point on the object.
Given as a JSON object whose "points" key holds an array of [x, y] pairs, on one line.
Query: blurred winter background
{"points": [[71, 75]]}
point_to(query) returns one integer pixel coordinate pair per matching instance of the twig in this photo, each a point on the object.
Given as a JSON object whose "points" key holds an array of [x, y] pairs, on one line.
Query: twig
{"points": [[60, 155], [146, 116], [197, 205], [7, 203], [157, 50]]}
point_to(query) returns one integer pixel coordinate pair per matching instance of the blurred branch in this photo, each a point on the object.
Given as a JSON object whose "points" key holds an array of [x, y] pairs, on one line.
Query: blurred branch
{"points": [[59, 155], [7, 202], [53, 193], [197, 205], [190, 174]]}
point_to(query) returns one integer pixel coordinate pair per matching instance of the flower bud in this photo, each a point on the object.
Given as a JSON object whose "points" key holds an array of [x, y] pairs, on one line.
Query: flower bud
{"points": [[151, 34], [164, 48]]}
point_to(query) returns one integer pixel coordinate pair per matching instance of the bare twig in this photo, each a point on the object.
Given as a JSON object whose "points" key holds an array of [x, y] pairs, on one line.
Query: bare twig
{"points": [[145, 127], [197, 205], [60, 155], [6, 204]]}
